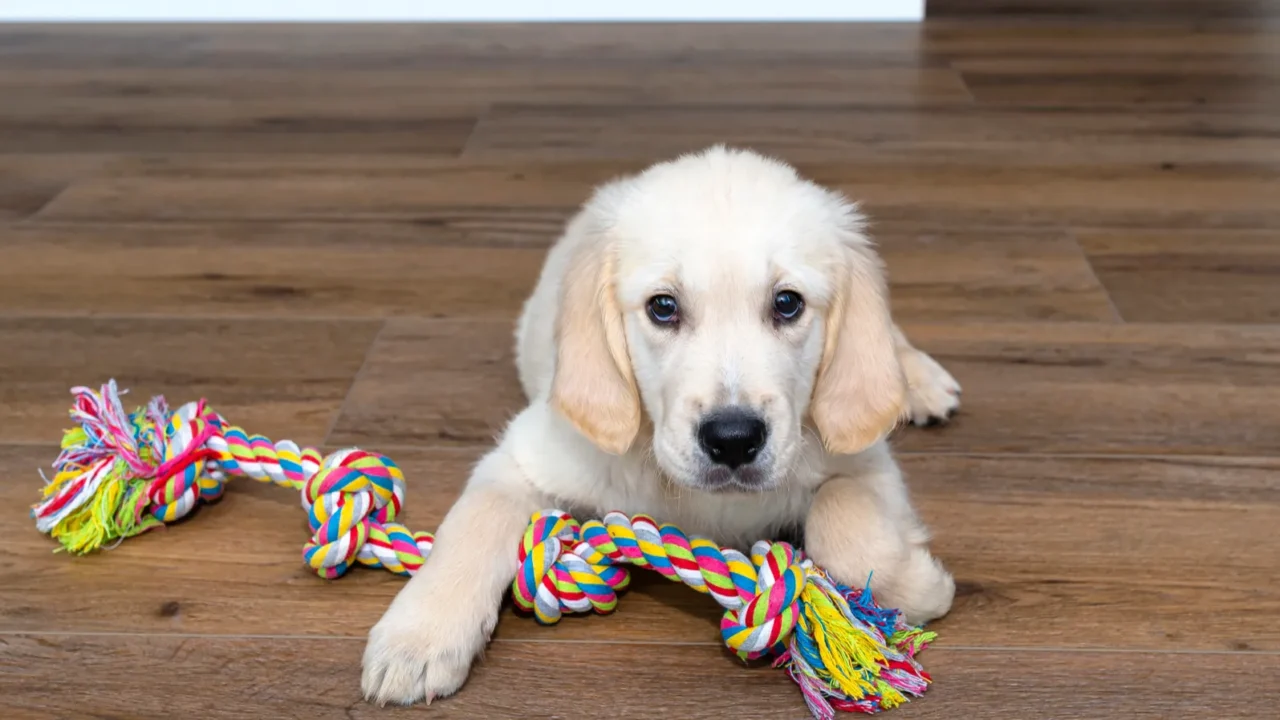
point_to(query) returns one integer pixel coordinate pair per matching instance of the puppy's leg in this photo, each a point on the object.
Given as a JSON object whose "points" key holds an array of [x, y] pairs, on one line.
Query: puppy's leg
{"points": [[933, 396], [862, 523], [425, 643]]}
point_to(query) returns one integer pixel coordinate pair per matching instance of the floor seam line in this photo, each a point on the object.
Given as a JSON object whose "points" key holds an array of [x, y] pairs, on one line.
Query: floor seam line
{"points": [[936, 647], [355, 380]]}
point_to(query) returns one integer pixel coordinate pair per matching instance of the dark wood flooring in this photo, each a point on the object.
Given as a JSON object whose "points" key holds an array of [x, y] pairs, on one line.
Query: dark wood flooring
{"points": [[328, 231]]}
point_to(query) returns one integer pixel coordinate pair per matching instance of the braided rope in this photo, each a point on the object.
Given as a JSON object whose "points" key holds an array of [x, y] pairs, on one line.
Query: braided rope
{"points": [[567, 567], [351, 497], [120, 474]]}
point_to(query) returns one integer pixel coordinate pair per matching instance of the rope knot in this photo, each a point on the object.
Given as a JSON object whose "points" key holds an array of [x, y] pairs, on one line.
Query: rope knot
{"points": [[188, 473], [355, 496], [765, 622], [552, 579]]}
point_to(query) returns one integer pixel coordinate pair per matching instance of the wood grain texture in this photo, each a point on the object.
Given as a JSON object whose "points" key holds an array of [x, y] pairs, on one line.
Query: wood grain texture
{"points": [[327, 187], [1107, 388], [1074, 387], [878, 134], [343, 188], [235, 212], [448, 90], [1065, 38], [447, 270], [1122, 81], [984, 275], [265, 269], [136, 117], [434, 382], [1173, 276], [29, 182], [296, 678], [282, 379]]}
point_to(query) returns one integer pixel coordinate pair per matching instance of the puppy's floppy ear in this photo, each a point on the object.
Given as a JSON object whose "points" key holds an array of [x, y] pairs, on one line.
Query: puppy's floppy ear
{"points": [[860, 391], [594, 386]]}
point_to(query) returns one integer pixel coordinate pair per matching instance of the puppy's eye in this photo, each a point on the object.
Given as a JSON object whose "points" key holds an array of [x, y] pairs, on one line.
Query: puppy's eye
{"points": [[787, 306], [663, 310]]}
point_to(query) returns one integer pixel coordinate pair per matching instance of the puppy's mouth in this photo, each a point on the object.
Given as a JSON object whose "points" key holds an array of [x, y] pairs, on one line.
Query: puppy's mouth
{"points": [[748, 478]]}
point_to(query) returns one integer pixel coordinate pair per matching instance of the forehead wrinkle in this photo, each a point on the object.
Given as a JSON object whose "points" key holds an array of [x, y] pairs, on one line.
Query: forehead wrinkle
{"points": [[808, 268], [643, 272]]}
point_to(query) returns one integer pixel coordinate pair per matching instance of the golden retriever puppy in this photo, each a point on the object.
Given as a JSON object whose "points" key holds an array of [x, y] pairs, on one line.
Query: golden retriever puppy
{"points": [[709, 343]]}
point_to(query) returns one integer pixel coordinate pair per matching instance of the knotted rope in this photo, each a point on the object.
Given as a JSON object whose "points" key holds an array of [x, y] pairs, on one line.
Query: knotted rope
{"points": [[843, 651], [120, 474]]}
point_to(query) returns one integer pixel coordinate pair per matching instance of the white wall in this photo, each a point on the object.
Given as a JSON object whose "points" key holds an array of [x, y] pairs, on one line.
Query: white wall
{"points": [[456, 10]]}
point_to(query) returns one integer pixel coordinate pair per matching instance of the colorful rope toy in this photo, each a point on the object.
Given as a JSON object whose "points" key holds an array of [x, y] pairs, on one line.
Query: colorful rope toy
{"points": [[121, 474]]}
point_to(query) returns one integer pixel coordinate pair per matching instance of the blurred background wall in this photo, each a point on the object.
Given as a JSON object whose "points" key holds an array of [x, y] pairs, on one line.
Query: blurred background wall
{"points": [[466, 10]]}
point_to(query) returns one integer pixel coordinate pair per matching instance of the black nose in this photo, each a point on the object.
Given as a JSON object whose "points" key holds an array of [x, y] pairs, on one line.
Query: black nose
{"points": [[732, 438]]}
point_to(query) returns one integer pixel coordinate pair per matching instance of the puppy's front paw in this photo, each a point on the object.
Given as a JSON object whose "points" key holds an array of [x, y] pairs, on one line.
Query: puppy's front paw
{"points": [[923, 590], [423, 650], [932, 394]]}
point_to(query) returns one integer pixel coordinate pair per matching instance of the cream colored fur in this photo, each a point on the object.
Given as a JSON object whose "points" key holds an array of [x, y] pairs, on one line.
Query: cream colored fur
{"points": [[615, 400]]}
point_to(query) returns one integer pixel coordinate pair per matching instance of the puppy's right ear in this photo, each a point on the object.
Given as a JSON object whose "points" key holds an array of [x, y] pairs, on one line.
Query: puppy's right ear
{"points": [[594, 386], [860, 393]]}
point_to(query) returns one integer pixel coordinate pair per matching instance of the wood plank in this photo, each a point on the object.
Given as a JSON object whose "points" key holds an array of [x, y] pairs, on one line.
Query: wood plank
{"points": [[290, 187], [282, 378], [1151, 36], [1207, 195], [286, 269], [264, 269], [463, 87], [1177, 276], [199, 125], [982, 135], [257, 677], [1097, 388], [158, 111], [986, 275], [430, 382], [1211, 196], [1129, 81], [289, 677], [176, 104], [29, 182], [1072, 553], [1072, 387], [1072, 479], [331, 188]]}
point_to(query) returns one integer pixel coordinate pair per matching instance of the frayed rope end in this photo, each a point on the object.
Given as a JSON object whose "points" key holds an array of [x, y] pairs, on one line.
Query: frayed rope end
{"points": [[98, 494], [848, 654]]}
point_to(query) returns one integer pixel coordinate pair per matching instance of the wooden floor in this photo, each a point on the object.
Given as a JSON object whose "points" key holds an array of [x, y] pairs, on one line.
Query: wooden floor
{"points": [[327, 232]]}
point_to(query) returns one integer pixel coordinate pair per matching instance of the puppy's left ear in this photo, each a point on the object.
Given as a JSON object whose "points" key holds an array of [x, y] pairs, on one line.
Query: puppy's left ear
{"points": [[593, 386], [860, 393]]}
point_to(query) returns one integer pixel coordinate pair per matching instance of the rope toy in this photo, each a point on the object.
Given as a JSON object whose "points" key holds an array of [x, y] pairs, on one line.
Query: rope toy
{"points": [[121, 474]]}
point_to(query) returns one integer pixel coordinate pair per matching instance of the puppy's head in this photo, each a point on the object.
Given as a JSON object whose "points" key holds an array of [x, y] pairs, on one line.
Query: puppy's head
{"points": [[731, 304]]}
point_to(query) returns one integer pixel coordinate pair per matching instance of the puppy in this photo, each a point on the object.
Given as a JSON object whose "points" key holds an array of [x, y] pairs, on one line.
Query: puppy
{"points": [[709, 343]]}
